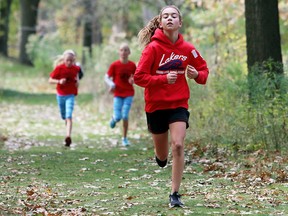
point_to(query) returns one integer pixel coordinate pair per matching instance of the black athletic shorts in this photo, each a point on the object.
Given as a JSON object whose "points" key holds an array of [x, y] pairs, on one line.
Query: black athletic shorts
{"points": [[158, 121]]}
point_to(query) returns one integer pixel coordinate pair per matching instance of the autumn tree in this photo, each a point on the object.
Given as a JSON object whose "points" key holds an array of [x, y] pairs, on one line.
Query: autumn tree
{"points": [[265, 69], [263, 40], [29, 11]]}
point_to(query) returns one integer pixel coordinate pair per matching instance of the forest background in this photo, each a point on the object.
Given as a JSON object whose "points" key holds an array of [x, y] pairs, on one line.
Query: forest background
{"points": [[222, 113]]}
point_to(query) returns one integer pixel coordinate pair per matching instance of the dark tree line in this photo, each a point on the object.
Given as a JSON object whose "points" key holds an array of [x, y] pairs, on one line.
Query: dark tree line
{"points": [[28, 19], [4, 25], [262, 28]]}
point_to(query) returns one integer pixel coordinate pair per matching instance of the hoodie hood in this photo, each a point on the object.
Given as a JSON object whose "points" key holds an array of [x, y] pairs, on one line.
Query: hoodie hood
{"points": [[162, 38]]}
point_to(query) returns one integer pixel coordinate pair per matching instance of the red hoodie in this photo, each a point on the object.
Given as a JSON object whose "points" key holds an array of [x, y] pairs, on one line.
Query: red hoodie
{"points": [[158, 58]]}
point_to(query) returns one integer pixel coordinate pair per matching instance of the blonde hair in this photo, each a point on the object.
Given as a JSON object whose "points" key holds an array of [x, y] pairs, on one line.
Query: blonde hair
{"points": [[124, 45], [145, 34], [60, 58]]}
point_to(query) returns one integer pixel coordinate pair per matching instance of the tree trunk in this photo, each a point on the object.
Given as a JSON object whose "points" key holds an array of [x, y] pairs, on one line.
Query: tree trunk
{"points": [[29, 11], [262, 32], [4, 25], [97, 32], [264, 58], [88, 32]]}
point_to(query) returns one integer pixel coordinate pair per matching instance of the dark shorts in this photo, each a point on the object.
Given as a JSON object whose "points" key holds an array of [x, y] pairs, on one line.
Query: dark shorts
{"points": [[158, 121]]}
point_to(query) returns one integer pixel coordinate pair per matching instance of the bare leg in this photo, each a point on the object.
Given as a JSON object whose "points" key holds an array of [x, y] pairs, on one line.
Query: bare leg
{"points": [[125, 128], [161, 146], [177, 133], [68, 127]]}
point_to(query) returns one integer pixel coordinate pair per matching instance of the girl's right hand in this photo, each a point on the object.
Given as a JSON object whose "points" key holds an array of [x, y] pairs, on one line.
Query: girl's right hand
{"points": [[62, 81], [171, 77], [131, 80]]}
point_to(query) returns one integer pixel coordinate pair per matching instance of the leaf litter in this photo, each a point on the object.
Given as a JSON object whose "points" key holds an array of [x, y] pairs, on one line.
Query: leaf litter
{"points": [[251, 185]]}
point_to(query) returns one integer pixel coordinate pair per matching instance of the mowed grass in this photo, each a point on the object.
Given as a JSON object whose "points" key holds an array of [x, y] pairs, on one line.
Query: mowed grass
{"points": [[99, 182], [96, 176], [120, 181]]}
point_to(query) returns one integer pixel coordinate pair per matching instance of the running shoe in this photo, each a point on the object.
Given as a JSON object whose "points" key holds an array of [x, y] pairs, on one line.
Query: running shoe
{"points": [[161, 163], [68, 141], [112, 123], [125, 141], [175, 200]]}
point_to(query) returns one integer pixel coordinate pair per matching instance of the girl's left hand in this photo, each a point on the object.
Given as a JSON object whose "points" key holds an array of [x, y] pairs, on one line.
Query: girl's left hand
{"points": [[191, 72], [77, 82], [111, 90]]}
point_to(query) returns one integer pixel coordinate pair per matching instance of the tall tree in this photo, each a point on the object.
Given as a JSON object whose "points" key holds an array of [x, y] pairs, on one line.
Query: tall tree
{"points": [[29, 12], [262, 32], [4, 25], [88, 32], [97, 33], [264, 60]]}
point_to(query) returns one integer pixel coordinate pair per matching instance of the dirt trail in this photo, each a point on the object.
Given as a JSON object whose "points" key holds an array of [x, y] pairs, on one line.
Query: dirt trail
{"points": [[23, 126]]}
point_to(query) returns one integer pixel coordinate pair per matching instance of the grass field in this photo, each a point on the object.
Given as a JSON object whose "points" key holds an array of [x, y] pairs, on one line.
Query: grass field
{"points": [[97, 176]]}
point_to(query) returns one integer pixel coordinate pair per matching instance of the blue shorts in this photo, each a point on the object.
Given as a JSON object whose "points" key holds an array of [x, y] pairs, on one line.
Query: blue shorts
{"points": [[66, 105], [122, 106]]}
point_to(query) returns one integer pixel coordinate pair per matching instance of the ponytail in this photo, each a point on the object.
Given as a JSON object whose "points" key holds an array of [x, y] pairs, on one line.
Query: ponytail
{"points": [[145, 34], [59, 60]]}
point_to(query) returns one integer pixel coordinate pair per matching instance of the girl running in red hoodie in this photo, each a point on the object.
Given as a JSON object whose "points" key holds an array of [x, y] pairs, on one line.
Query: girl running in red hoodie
{"points": [[165, 62]]}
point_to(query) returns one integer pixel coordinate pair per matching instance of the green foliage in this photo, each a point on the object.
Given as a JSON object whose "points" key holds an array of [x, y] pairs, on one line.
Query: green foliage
{"points": [[43, 50], [266, 80], [220, 108], [224, 116], [14, 29], [268, 103], [221, 112], [218, 31]]}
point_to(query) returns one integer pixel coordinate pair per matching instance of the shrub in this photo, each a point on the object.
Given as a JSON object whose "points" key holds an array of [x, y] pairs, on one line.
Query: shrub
{"points": [[222, 114], [43, 50]]}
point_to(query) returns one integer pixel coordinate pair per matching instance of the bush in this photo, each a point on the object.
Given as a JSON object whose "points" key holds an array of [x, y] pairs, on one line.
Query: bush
{"points": [[268, 103], [222, 114], [43, 50]]}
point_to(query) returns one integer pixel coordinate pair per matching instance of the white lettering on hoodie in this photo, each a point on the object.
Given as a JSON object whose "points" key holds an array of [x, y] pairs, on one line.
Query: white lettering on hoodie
{"points": [[172, 57]]}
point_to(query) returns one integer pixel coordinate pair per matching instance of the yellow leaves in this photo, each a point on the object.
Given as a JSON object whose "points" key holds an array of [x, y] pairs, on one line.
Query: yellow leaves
{"points": [[48, 191]]}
